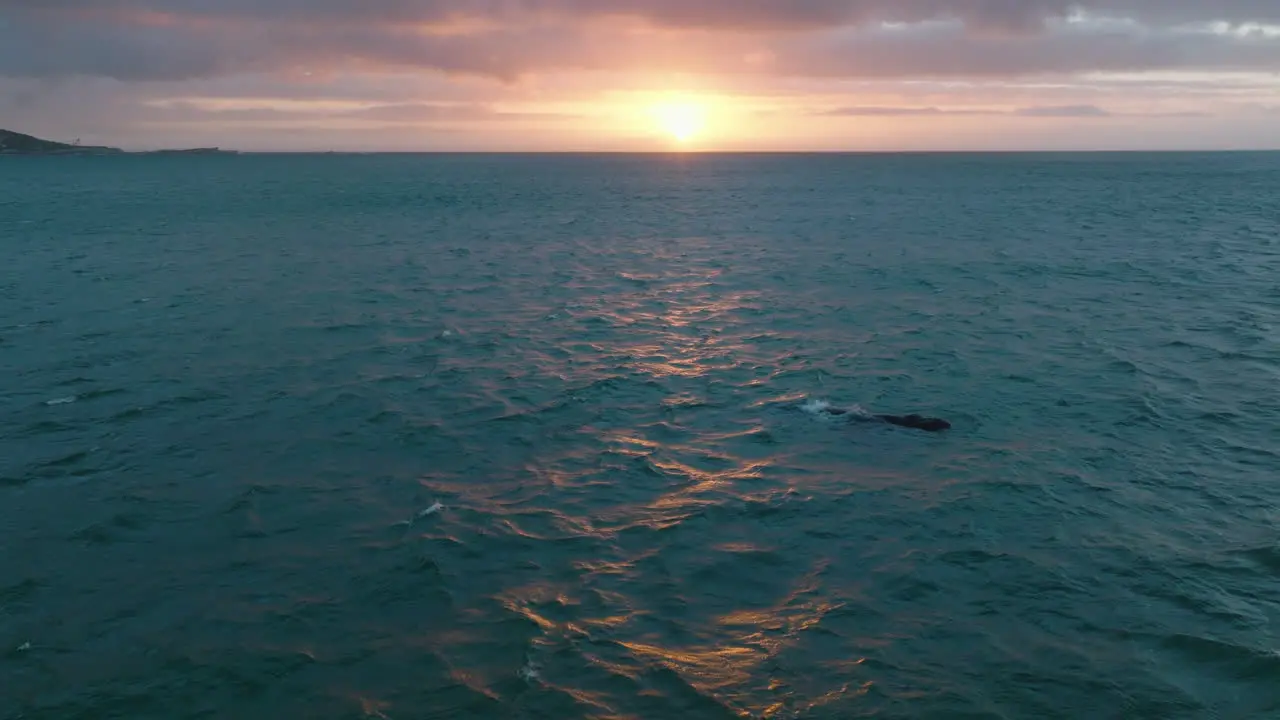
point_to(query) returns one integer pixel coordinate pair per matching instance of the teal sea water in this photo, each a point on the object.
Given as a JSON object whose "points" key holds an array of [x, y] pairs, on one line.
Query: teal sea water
{"points": [[533, 437]]}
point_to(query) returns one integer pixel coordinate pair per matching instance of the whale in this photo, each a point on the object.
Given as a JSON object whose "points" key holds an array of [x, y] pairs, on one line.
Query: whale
{"points": [[916, 422], [913, 421]]}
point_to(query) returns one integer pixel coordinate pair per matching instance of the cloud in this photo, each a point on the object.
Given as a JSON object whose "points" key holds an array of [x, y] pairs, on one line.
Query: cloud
{"points": [[168, 40], [576, 66], [946, 51], [768, 15], [1082, 112], [1063, 111], [416, 113], [716, 14], [889, 111], [1036, 111], [393, 113]]}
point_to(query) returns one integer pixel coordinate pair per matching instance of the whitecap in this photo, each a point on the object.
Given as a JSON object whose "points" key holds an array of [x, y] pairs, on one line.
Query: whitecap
{"points": [[816, 407], [857, 410], [435, 508], [823, 409], [62, 400]]}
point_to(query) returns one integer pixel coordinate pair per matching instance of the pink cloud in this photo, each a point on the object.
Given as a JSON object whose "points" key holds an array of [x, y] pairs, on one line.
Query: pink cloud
{"points": [[154, 40], [454, 61]]}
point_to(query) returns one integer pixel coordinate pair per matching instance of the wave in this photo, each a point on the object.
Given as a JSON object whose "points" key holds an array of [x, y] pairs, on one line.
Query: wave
{"points": [[823, 409]]}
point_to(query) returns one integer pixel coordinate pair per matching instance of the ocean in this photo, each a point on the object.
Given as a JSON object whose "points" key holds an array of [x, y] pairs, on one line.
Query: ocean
{"points": [[540, 436]]}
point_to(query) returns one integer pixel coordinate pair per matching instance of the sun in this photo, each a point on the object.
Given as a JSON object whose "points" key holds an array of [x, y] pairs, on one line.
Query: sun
{"points": [[683, 120]]}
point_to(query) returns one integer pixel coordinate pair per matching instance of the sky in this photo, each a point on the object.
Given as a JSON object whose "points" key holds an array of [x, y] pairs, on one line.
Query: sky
{"points": [[641, 75]]}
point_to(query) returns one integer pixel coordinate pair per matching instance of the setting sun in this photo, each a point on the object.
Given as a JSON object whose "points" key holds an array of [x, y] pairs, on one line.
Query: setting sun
{"points": [[682, 120]]}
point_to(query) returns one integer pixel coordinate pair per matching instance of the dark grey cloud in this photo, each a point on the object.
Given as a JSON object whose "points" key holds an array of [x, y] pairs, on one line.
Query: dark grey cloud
{"points": [[1082, 112], [1041, 111], [157, 40], [390, 113], [941, 52], [767, 14]]}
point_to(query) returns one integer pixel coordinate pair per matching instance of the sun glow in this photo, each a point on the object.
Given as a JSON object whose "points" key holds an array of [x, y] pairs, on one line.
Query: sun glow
{"points": [[683, 120]]}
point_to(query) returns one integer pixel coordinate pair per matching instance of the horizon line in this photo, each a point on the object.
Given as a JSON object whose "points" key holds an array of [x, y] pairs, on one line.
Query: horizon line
{"points": [[991, 151]]}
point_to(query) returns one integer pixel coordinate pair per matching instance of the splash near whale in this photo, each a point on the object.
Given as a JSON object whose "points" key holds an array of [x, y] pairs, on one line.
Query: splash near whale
{"points": [[857, 414]]}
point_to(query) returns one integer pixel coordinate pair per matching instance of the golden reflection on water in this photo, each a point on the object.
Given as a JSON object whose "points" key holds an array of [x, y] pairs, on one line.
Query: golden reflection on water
{"points": [[734, 670], [706, 669], [699, 484], [659, 341], [683, 330]]}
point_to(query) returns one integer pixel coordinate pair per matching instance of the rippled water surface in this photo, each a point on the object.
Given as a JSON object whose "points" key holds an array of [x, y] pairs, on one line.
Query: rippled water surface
{"points": [[522, 437]]}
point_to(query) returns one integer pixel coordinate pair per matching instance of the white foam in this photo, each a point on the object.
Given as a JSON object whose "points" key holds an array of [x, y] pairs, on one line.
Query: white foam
{"points": [[857, 410], [62, 400], [435, 508], [822, 409], [529, 672], [816, 407]]}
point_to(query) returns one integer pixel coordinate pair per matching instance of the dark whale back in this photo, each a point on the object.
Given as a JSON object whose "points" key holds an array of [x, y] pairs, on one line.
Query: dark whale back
{"points": [[917, 422], [913, 421]]}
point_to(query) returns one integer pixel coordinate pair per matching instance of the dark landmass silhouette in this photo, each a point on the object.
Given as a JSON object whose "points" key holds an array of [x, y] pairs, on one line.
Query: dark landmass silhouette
{"points": [[16, 143]]}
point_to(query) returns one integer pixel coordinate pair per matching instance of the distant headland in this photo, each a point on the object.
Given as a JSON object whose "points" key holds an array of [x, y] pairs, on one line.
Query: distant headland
{"points": [[16, 143]]}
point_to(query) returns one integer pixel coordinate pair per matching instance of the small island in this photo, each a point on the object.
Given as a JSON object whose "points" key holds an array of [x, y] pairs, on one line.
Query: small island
{"points": [[16, 143]]}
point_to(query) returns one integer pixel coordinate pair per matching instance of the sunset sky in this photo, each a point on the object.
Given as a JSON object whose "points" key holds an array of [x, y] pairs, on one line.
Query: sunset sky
{"points": [[644, 74]]}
